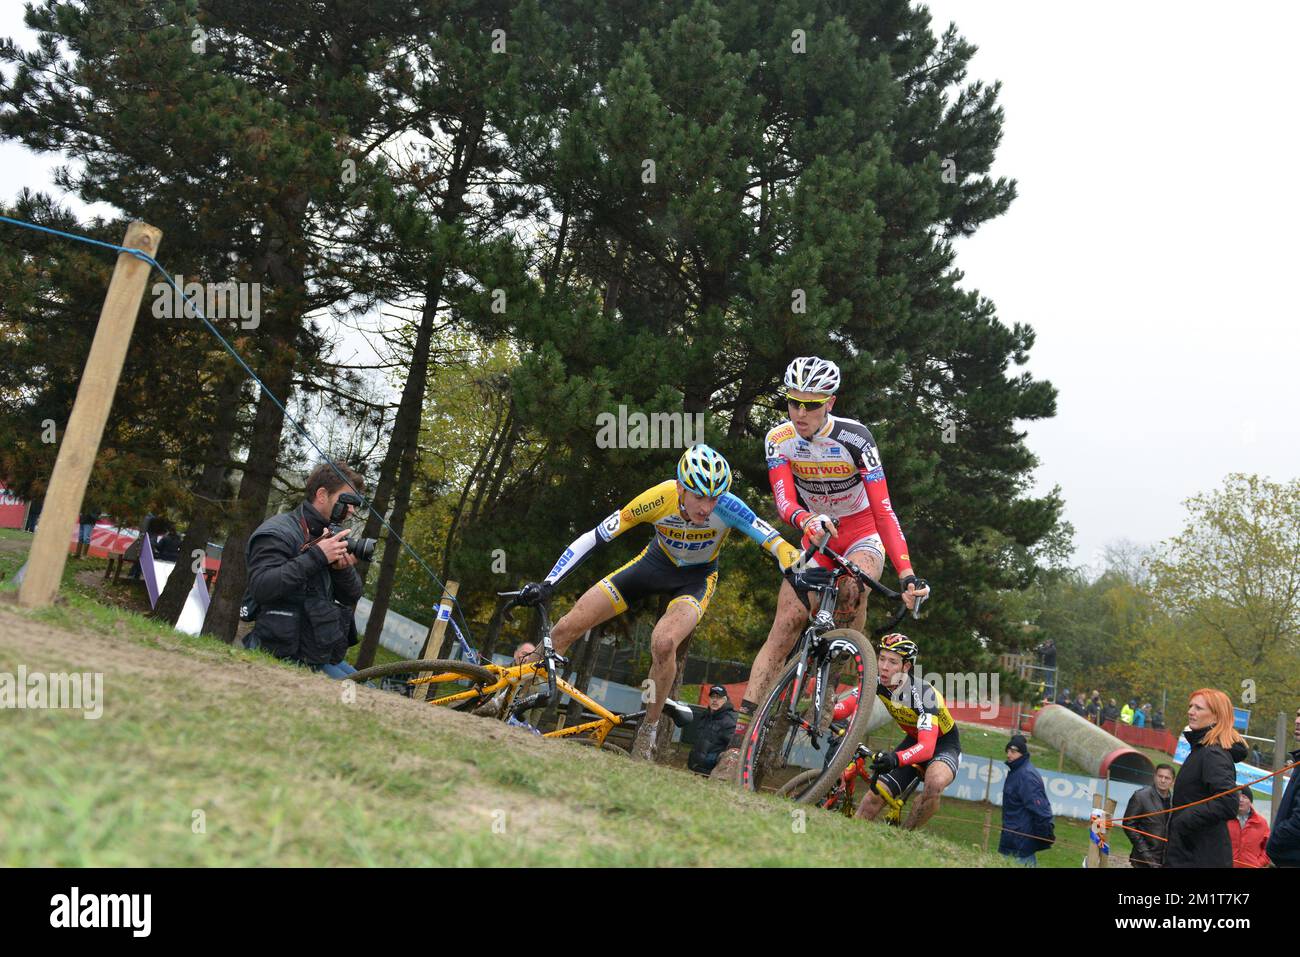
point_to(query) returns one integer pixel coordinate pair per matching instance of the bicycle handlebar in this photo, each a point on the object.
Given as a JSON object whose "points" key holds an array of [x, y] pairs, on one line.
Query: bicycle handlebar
{"points": [[851, 569], [549, 657]]}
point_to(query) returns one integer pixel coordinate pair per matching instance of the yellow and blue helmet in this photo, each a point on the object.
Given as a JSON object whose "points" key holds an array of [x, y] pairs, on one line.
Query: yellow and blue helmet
{"points": [[704, 471]]}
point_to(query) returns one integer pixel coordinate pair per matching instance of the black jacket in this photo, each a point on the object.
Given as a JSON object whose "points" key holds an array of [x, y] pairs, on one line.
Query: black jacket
{"points": [[1283, 847], [304, 607], [713, 731], [1147, 850], [1198, 836]]}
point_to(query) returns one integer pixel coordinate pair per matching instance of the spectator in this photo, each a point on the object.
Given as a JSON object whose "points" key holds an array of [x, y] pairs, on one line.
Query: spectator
{"points": [[34, 515], [1256, 756], [1198, 835], [85, 528], [713, 732], [1093, 712], [1027, 825], [1047, 653], [1126, 713], [1110, 712], [302, 586], [1140, 717], [1158, 720], [154, 527], [1063, 699], [522, 690], [1079, 706], [1284, 844], [1249, 833], [169, 546], [1149, 851]]}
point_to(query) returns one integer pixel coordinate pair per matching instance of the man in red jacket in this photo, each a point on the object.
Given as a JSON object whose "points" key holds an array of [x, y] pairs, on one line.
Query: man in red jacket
{"points": [[1249, 833]]}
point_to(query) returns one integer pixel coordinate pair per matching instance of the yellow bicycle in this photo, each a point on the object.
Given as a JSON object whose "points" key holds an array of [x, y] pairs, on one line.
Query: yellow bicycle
{"points": [[494, 690]]}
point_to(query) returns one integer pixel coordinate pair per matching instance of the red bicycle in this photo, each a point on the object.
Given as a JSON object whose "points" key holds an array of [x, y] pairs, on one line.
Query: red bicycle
{"points": [[841, 795]]}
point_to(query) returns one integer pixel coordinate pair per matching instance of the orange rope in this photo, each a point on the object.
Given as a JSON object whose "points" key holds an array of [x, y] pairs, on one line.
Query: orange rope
{"points": [[1212, 797]]}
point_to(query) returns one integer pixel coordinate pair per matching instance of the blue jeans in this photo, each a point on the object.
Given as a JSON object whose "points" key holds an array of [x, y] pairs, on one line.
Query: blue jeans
{"points": [[338, 672], [1029, 860], [83, 533]]}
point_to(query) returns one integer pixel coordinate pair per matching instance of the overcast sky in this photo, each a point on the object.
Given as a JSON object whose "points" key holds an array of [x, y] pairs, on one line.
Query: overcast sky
{"points": [[1155, 147]]}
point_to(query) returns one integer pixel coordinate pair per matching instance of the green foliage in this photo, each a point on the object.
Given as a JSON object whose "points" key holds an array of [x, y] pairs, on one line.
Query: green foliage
{"points": [[670, 200], [786, 180], [1215, 606], [1231, 583]]}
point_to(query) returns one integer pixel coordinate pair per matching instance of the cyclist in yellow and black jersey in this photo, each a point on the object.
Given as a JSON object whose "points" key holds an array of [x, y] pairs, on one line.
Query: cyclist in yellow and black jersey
{"points": [[692, 516], [931, 746]]}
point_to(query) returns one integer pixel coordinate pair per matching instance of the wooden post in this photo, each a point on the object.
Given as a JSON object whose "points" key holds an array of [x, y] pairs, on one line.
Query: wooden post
{"points": [[988, 826], [434, 638], [1279, 756], [1097, 829], [1100, 826], [85, 428], [439, 627]]}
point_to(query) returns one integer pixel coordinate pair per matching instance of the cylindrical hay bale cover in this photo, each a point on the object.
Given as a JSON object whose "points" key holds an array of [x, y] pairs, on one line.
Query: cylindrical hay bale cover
{"points": [[1088, 746]]}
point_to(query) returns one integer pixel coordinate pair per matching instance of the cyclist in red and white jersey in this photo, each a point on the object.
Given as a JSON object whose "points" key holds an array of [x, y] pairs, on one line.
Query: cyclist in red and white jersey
{"points": [[828, 480]]}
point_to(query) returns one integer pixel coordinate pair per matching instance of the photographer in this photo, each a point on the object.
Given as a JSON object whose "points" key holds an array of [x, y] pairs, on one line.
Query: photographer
{"points": [[302, 586]]}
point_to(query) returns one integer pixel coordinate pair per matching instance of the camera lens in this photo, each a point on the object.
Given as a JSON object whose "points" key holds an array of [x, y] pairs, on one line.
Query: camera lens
{"points": [[362, 548]]}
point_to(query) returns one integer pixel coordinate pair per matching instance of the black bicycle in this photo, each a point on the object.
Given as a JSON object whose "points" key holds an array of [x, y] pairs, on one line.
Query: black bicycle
{"points": [[792, 728]]}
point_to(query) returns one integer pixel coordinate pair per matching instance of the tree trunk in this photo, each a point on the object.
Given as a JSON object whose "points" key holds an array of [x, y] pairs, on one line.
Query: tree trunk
{"points": [[205, 492], [459, 512], [493, 630], [388, 565], [406, 436], [250, 504], [407, 422]]}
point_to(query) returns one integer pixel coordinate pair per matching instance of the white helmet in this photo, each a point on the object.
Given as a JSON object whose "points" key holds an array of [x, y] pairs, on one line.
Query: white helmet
{"points": [[810, 374]]}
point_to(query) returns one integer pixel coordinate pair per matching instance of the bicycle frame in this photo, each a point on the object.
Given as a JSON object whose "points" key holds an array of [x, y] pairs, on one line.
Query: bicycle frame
{"points": [[510, 677], [809, 650]]}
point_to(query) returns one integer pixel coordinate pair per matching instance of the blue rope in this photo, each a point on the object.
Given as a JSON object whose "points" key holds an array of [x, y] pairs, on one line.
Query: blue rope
{"points": [[145, 257]]}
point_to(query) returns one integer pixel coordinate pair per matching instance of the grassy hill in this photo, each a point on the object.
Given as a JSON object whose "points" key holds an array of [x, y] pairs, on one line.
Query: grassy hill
{"points": [[208, 755]]}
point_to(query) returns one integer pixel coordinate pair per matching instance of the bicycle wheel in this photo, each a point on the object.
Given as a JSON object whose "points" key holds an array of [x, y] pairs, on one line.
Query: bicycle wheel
{"points": [[798, 784], [782, 738], [457, 671], [833, 800], [604, 746]]}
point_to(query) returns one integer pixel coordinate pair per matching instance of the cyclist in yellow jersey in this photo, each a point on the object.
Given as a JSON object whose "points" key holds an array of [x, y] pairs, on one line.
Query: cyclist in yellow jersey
{"points": [[692, 516], [931, 748]]}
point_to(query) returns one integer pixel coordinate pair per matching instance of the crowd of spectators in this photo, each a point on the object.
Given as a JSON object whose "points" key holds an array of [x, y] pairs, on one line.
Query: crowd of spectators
{"points": [[1091, 708]]}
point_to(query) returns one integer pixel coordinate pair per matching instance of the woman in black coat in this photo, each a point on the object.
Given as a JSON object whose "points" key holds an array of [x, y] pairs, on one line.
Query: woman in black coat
{"points": [[1198, 836]]}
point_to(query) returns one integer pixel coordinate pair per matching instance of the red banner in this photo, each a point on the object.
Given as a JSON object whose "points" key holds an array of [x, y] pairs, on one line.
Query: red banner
{"points": [[13, 510]]}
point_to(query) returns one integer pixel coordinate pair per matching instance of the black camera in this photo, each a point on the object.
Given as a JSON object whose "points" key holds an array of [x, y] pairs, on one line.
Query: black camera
{"points": [[362, 548]]}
